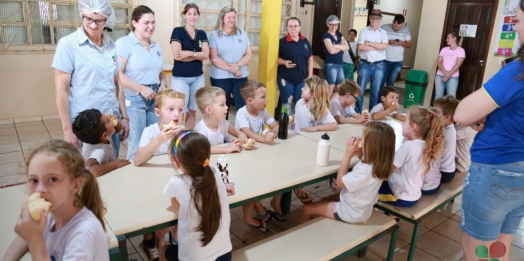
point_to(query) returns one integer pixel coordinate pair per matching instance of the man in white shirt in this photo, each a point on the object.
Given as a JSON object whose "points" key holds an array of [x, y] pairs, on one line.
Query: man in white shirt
{"points": [[399, 38], [372, 45]]}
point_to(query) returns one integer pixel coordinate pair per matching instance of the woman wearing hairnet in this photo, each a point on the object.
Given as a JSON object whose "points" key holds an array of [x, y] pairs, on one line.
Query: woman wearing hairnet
{"points": [[334, 46], [86, 74]]}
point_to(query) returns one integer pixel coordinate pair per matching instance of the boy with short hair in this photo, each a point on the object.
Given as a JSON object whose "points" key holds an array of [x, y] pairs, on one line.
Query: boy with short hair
{"points": [[389, 106], [341, 109], [446, 107], [94, 129], [211, 102], [156, 137]]}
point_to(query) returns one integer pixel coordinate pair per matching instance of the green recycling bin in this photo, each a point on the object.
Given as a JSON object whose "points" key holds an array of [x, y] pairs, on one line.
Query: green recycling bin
{"points": [[416, 84]]}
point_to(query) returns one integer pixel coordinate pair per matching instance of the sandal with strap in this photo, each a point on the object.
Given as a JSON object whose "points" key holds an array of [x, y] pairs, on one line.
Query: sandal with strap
{"points": [[277, 216], [266, 215], [304, 199], [260, 228]]}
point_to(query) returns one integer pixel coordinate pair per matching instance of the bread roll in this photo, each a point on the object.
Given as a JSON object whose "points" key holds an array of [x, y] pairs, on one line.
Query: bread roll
{"points": [[248, 142], [290, 119], [365, 111], [115, 122], [35, 204], [171, 123], [264, 133]]}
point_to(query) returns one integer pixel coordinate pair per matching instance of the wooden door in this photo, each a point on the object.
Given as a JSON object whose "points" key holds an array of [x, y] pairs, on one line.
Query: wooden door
{"points": [[479, 12], [323, 9]]}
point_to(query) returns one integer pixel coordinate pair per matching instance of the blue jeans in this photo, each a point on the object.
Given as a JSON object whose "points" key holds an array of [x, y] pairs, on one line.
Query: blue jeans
{"points": [[287, 89], [451, 86], [231, 85], [392, 71], [370, 71], [116, 143], [333, 73], [188, 86], [141, 114], [493, 200]]}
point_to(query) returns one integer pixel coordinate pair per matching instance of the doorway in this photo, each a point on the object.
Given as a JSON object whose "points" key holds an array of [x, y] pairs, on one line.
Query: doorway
{"points": [[323, 9], [481, 13]]}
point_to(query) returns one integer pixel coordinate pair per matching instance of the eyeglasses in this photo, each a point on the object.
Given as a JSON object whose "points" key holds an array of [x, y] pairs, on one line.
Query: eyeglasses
{"points": [[293, 26], [374, 18], [332, 24], [90, 20], [352, 95]]}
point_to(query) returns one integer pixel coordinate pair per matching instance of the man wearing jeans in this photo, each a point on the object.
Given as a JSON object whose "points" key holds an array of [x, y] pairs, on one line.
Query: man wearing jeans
{"points": [[399, 39], [372, 45]]}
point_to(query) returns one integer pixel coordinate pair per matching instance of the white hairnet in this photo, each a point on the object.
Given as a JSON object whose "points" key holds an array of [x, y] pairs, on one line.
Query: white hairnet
{"points": [[102, 7], [332, 19]]}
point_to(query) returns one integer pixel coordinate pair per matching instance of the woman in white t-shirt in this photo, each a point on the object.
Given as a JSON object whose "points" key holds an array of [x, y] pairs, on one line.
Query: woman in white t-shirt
{"points": [[423, 132], [199, 199], [359, 187], [73, 228]]}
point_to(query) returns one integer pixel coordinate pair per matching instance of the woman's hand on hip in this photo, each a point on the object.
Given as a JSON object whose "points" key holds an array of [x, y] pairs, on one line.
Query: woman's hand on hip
{"points": [[147, 93], [124, 132]]}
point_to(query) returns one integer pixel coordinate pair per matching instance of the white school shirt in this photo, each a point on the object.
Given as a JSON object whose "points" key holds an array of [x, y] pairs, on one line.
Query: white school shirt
{"points": [[102, 153], [346, 57], [337, 110], [82, 238], [465, 137], [218, 137], [304, 118], [149, 134], [450, 149], [433, 176], [256, 124], [407, 179], [359, 196], [378, 108], [378, 36], [190, 247]]}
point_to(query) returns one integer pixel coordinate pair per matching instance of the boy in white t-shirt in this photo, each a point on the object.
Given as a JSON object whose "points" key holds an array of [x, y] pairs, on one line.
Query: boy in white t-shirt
{"points": [[94, 129], [388, 107], [341, 104], [211, 102], [446, 107]]}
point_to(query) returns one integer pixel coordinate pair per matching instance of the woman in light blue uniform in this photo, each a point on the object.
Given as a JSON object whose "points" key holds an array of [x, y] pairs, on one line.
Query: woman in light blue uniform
{"points": [[230, 51], [141, 72], [86, 74]]}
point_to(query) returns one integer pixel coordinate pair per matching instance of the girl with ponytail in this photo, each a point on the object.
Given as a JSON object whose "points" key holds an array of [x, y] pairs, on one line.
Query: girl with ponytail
{"points": [[199, 198], [73, 228]]}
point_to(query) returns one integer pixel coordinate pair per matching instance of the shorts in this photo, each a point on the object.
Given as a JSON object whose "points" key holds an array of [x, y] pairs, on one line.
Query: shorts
{"points": [[333, 73], [335, 213], [492, 200]]}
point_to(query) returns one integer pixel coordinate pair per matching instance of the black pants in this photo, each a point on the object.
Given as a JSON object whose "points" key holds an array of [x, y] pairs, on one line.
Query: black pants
{"points": [[172, 254]]}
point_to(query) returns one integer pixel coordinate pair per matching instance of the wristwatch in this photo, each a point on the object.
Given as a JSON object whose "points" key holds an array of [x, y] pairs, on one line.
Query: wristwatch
{"points": [[239, 65], [125, 118], [194, 54]]}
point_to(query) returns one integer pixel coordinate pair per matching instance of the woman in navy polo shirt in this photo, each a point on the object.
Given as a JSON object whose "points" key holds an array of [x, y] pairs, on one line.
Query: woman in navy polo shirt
{"points": [[334, 46], [295, 61], [230, 51], [141, 73], [190, 48]]}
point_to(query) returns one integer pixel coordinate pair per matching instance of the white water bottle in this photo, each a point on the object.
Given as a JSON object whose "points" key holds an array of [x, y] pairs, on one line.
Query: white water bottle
{"points": [[222, 167], [323, 151]]}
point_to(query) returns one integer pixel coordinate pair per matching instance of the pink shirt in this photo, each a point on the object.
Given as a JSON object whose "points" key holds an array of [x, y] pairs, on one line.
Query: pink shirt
{"points": [[449, 59]]}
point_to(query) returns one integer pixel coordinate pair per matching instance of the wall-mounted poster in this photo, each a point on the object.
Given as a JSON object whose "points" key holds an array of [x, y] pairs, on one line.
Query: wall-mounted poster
{"points": [[468, 30], [508, 41]]}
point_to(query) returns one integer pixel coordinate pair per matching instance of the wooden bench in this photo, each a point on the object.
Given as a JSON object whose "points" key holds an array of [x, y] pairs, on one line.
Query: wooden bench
{"points": [[322, 239], [425, 206]]}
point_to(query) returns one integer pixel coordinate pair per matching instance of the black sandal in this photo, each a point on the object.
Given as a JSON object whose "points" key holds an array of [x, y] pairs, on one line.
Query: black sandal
{"points": [[260, 228], [277, 216], [267, 215]]}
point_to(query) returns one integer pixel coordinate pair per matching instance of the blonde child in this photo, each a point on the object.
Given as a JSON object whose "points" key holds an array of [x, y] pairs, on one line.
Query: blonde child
{"points": [[341, 109], [94, 129], [211, 102], [74, 227], [156, 137], [250, 120], [361, 184], [417, 160], [199, 199], [446, 107], [389, 106]]}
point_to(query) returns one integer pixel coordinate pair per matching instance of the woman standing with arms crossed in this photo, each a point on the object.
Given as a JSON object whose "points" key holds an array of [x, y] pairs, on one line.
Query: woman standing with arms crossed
{"points": [[449, 61], [334, 46], [295, 62], [141, 72], [86, 74], [230, 51], [493, 194], [190, 48]]}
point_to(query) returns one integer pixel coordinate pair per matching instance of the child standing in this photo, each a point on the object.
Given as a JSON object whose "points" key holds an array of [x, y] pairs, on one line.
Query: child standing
{"points": [[350, 57], [418, 155], [361, 184], [211, 102], [312, 111], [94, 129], [446, 107], [341, 109], [73, 229], [199, 199], [388, 107], [156, 137]]}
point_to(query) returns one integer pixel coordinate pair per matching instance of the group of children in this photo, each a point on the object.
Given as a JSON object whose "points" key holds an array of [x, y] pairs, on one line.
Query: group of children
{"points": [[198, 194]]}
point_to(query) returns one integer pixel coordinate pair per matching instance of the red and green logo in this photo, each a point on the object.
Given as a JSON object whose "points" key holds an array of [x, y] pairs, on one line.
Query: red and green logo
{"points": [[496, 250]]}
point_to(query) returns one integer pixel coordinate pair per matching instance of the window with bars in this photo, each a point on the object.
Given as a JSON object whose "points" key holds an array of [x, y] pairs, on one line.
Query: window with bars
{"points": [[36, 26], [248, 15]]}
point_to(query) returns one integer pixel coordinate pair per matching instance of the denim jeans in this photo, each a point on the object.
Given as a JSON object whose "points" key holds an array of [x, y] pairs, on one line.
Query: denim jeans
{"points": [[141, 114], [287, 89], [333, 73], [451, 86], [231, 85], [373, 73], [392, 71], [188, 86]]}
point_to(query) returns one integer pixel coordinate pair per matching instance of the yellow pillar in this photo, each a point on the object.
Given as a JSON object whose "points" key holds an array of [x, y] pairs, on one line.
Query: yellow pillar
{"points": [[268, 52]]}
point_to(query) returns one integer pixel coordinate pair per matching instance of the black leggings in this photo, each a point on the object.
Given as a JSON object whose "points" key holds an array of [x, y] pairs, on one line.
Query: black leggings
{"points": [[172, 254]]}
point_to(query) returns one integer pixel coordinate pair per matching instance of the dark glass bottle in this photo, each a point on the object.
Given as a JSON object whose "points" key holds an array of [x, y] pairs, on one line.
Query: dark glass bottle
{"points": [[283, 121]]}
